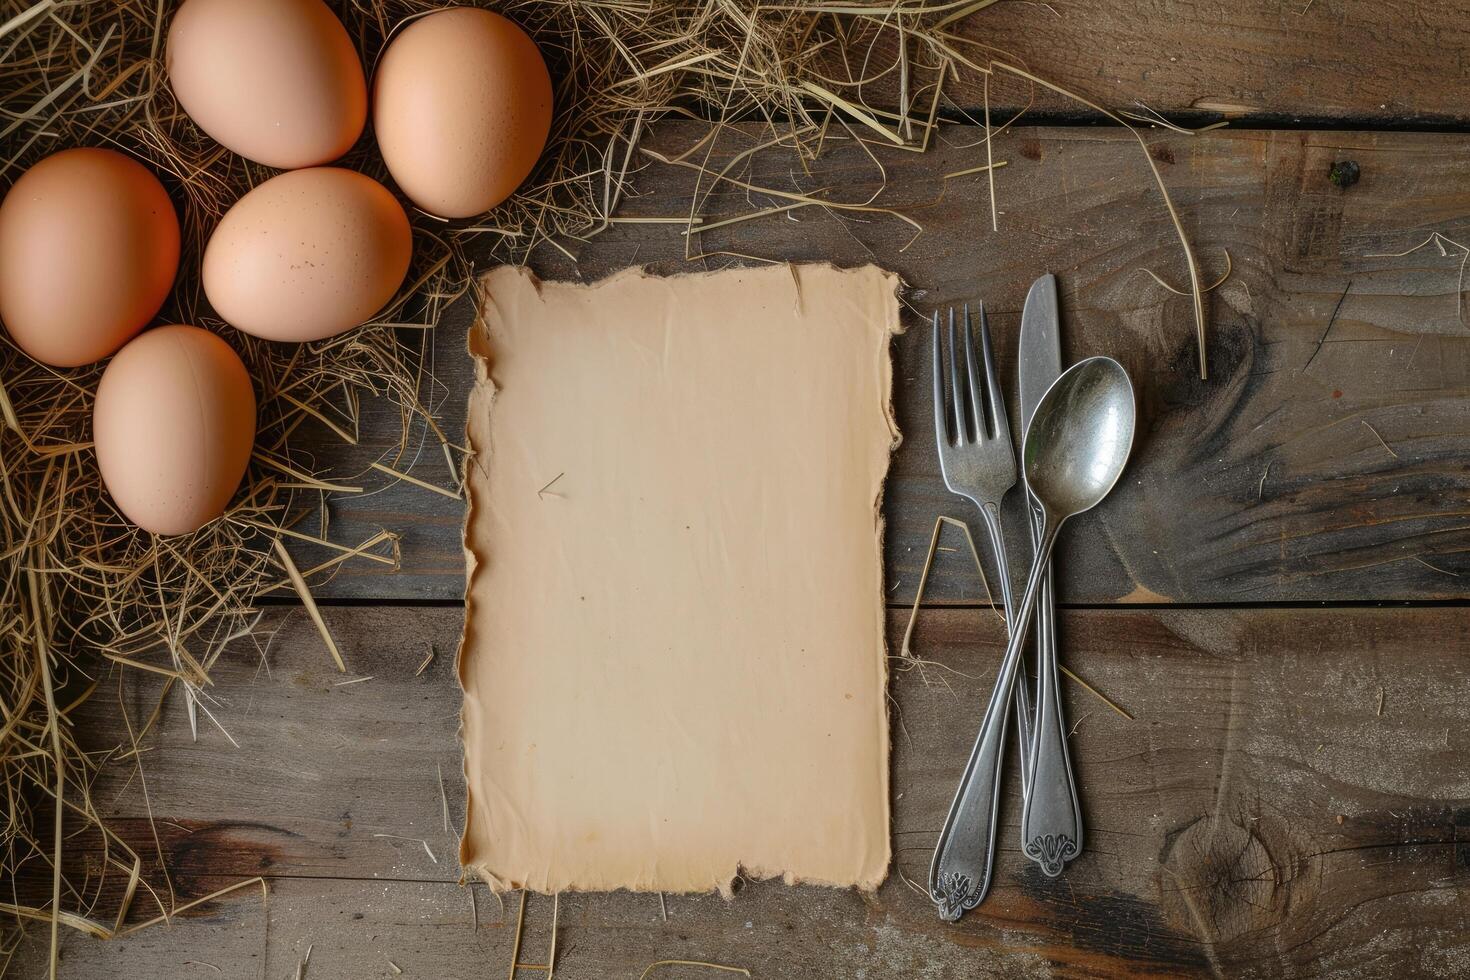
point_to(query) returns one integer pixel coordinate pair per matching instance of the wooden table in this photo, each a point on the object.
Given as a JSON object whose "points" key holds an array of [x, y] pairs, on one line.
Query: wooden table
{"points": [[1274, 594]]}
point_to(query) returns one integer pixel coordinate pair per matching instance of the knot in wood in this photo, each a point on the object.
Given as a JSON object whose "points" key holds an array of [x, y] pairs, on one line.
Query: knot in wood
{"points": [[1227, 878]]}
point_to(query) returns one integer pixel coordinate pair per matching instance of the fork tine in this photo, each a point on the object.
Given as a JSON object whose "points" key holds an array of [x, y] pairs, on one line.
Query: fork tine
{"points": [[992, 382], [977, 412], [961, 434], [941, 434]]}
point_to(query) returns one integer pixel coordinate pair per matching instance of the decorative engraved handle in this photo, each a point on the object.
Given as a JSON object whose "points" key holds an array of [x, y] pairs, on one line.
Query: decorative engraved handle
{"points": [[965, 855], [1051, 819]]}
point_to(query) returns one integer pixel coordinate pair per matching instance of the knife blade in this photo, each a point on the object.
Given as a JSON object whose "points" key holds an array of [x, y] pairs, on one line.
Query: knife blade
{"points": [[1041, 346]]}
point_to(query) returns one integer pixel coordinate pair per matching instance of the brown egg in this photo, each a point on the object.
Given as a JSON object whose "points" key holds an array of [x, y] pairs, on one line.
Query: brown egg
{"points": [[89, 247], [174, 423], [277, 81], [308, 254], [461, 108]]}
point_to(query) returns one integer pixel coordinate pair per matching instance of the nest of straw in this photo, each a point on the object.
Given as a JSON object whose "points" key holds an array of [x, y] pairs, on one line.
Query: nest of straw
{"points": [[89, 601]]}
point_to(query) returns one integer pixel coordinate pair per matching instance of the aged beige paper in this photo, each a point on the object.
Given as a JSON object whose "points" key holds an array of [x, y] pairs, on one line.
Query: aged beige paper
{"points": [[673, 661]]}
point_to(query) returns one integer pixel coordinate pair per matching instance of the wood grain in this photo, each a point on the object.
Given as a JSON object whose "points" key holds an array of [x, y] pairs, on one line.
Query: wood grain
{"points": [[1258, 816], [1315, 464], [1310, 61]]}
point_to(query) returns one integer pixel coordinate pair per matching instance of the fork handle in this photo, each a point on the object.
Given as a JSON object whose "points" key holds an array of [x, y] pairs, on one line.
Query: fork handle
{"points": [[964, 858], [1051, 818]]}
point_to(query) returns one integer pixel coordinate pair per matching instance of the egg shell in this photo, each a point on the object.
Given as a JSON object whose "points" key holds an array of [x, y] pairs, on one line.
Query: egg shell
{"points": [[277, 81], [174, 423], [307, 254], [462, 107], [89, 247]]}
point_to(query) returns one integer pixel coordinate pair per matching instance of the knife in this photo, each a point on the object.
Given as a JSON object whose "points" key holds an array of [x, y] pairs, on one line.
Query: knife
{"points": [[1041, 346], [1051, 819]]}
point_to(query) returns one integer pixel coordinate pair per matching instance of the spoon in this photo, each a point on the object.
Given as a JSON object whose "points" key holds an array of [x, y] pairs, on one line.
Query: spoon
{"points": [[1073, 454]]}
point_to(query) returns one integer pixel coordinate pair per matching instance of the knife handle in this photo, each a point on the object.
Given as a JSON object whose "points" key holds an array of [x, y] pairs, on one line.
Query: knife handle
{"points": [[1051, 817]]}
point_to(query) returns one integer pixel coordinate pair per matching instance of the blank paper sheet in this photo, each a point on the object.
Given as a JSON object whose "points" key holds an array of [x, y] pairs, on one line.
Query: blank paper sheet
{"points": [[674, 664]]}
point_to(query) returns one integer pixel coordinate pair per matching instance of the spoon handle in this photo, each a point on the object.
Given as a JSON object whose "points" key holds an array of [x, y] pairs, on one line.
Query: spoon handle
{"points": [[964, 858], [1051, 819]]}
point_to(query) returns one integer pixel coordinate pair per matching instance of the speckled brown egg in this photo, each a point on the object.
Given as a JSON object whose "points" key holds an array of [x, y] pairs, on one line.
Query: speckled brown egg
{"points": [[461, 108], [277, 81], [307, 255], [174, 423], [89, 247]]}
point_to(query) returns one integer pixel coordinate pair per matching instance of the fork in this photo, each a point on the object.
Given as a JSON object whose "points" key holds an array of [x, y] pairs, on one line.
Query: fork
{"points": [[976, 458]]}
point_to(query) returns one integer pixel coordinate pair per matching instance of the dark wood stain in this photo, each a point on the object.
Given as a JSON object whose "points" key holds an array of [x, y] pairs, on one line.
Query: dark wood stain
{"points": [[196, 849]]}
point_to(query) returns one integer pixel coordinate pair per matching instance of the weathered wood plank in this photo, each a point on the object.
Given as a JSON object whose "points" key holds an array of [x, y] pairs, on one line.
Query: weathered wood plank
{"points": [[1313, 465], [1359, 61], [426, 929], [1259, 816]]}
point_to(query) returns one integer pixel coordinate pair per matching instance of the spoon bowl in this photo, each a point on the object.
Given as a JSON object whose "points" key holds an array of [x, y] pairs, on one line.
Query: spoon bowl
{"points": [[1080, 437]]}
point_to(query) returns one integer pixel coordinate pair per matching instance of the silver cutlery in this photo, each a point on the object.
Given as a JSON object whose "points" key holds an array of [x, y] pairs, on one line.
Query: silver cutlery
{"points": [[975, 455], [979, 463], [1072, 456], [1051, 818]]}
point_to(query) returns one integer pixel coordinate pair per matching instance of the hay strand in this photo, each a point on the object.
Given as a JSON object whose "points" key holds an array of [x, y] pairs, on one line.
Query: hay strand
{"points": [[304, 593], [701, 964]]}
